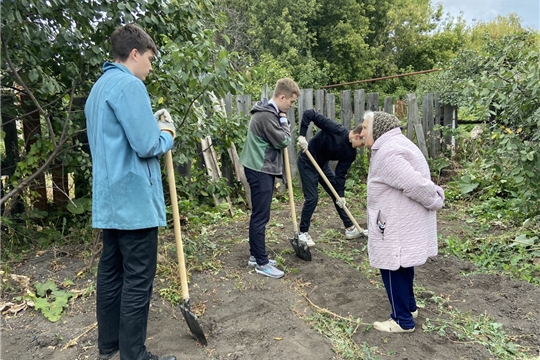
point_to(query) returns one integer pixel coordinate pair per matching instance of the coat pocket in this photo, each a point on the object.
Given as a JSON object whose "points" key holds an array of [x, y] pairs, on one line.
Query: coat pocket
{"points": [[376, 224]]}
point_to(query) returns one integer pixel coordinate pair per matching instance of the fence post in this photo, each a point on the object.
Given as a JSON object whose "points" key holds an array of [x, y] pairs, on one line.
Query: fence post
{"points": [[319, 101], [427, 120], [450, 121], [412, 111], [388, 107], [373, 101], [359, 106], [436, 123], [243, 104], [346, 109], [413, 122], [330, 106]]}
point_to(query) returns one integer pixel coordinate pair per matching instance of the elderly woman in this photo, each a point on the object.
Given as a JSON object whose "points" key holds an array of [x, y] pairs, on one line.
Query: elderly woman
{"points": [[401, 205]]}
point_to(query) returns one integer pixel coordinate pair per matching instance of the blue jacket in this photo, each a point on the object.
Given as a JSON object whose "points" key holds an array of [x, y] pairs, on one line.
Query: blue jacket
{"points": [[125, 142]]}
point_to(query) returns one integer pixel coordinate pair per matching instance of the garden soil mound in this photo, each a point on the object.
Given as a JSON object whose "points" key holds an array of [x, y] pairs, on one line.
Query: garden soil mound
{"points": [[247, 316]]}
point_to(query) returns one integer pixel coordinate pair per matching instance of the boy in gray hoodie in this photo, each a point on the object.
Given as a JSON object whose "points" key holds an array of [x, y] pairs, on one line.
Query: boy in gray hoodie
{"points": [[262, 156]]}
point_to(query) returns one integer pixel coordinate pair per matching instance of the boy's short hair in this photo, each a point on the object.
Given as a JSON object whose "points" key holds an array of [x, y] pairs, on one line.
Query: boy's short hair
{"points": [[286, 87], [128, 37]]}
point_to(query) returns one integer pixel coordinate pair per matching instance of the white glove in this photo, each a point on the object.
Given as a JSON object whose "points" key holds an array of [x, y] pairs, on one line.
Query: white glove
{"points": [[302, 143], [165, 121], [163, 115], [341, 202]]}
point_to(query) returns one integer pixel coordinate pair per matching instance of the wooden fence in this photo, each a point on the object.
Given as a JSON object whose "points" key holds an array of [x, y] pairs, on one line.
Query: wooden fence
{"points": [[420, 128]]}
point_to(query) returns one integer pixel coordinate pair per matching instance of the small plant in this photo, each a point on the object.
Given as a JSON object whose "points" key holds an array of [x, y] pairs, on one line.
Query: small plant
{"points": [[50, 300], [482, 329]]}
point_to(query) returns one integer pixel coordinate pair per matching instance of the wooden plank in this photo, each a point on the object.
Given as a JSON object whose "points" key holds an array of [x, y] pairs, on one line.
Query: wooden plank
{"points": [[228, 104], [218, 174], [240, 175], [265, 92], [243, 104], [305, 102], [412, 114], [319, 101], [330, 106], [373, 101], [421, 139], [388, 106], [428, 122], [346, 109], [359, 106], [448, 120], [436, 124]]}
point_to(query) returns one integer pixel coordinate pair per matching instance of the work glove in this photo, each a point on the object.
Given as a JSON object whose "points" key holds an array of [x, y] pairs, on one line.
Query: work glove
{"points": [[302, 143], [341, 202], [165, 121]]}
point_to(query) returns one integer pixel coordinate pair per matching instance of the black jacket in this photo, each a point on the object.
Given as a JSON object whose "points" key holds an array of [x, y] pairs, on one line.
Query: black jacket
{"points": [[331, 143]]}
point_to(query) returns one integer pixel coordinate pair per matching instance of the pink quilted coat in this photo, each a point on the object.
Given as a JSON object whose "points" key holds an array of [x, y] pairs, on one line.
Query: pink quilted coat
{"points": [[402, 197]]}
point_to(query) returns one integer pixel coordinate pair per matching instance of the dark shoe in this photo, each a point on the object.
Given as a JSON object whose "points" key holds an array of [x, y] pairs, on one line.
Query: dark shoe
{"points": [[106, 355], [155, 357]]}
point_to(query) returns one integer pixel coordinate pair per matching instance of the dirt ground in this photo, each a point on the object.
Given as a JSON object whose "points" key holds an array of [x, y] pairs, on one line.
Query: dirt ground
{"points": [[247, 316]]}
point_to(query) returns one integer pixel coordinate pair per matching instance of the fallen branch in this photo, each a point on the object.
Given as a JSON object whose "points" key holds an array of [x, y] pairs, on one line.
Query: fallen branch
{"points": [[74, 341], [326, 311]]}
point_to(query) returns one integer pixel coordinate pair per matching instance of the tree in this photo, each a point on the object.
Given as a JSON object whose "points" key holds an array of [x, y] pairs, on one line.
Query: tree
{"points": [[499, 82], [52, 52]]}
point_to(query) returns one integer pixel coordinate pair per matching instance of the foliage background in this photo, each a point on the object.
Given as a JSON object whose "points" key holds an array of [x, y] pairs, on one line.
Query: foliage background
{"points": [[52, 52]]}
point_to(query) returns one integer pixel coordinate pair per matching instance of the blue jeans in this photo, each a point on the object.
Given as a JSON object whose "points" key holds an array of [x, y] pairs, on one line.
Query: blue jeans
{"points": [[262, 190], [310, 186], [124, 287], [399, 288]]}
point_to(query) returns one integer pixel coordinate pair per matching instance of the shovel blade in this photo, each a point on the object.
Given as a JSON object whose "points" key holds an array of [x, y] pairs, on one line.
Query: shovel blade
{"points": [[301, 250], [192, 322]]}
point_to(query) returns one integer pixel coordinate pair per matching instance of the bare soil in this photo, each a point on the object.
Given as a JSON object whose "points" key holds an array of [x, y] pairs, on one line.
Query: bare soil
{"points": [[247, 316]]}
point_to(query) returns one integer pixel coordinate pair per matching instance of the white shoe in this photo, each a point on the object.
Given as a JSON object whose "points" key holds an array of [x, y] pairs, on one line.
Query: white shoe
{"points": [[353, 233], [390, 326], [252, 261], [414, 314], [306, 239]]}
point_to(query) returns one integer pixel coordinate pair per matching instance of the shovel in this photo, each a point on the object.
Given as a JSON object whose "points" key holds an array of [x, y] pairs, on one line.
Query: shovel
{"points": [[190, 317], [301, 250], [332, 189]]}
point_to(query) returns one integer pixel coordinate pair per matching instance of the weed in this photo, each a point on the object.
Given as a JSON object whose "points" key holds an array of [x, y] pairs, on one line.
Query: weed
{"points": [[482, 329], [340, 333]]}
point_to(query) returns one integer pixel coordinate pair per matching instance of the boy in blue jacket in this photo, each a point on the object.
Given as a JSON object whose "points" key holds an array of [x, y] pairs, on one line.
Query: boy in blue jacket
{"points": [[262, 157], [332, 142], [126, 141]]}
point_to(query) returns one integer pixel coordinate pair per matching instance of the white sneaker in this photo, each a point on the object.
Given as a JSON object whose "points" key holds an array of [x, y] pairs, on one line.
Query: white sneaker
{"points": [[390, 326], [269, 270], [306, 239], [252, 261], [414, 314], [353, 233]]}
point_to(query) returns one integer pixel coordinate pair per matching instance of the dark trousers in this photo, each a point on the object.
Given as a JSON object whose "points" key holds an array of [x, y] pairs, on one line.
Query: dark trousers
{"points": [[310, 186], [124, 287], [262, 190], [399, 288]]}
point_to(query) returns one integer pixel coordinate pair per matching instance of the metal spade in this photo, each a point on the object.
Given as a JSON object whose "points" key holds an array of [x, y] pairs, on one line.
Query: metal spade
{"points": [[301, 250], [190, 317]]}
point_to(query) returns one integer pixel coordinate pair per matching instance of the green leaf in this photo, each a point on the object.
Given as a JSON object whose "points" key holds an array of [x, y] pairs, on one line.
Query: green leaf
{"points": [[43, 288]]}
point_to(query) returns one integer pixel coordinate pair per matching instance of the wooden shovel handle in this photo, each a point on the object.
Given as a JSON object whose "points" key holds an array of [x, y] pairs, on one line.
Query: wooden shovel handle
{"points": [[289, 186], [331, 188], [176, 222]]}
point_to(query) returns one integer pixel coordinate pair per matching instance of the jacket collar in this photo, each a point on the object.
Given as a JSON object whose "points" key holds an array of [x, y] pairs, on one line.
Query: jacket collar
{"points": [[385, 137]]}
